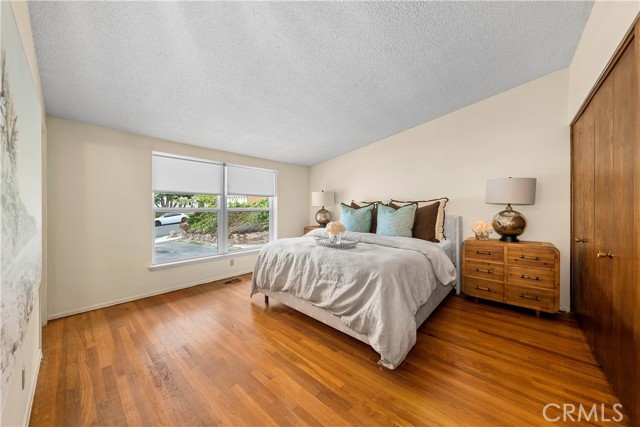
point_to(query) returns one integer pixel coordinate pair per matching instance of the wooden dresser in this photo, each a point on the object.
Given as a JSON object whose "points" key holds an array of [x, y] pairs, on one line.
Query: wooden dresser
{"points": [[526, 274]]}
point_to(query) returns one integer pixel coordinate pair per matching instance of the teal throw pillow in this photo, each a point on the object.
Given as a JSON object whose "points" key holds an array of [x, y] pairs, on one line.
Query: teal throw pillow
{"points": [[358, 220], [392, 222]]}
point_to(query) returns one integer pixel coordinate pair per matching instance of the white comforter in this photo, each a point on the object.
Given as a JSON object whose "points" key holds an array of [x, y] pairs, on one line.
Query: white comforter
{"points": [[375, 289]]}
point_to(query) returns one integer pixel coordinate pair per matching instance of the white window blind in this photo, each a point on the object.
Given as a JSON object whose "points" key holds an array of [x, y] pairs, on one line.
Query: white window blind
{"points": [[250, 182], [179, 175]]}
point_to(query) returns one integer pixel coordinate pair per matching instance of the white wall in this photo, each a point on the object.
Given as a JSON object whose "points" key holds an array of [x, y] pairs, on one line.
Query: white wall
{"points": [[99, 204], [607, 25], [522, 132], [17, 408]]}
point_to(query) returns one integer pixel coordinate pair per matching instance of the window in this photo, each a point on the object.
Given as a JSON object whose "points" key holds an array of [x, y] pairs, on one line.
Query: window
{"points": [[190, 219]]}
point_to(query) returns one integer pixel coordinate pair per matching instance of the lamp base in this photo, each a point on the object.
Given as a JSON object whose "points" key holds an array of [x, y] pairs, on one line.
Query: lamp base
{"points": [[510, 224], [323, 217]]}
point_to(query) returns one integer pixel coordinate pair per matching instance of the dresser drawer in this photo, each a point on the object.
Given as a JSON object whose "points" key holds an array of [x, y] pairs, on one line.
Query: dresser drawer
{"points": [[483, 270], [535, 277], [481, 288], [536, 298], [484, 252], [531, 257]]}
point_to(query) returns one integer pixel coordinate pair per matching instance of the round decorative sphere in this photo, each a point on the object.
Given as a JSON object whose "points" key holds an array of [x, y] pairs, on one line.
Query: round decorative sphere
{"points": [[509, 224], [323, 217]]}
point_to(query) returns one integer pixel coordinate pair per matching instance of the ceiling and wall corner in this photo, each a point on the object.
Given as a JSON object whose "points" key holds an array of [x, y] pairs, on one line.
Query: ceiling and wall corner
{"points": [[299, 82], [520, 132], [608, 22]]}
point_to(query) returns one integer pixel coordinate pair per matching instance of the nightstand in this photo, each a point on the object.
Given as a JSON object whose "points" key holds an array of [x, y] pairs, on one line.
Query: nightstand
{"points": [[526, 274], [308, 228]]}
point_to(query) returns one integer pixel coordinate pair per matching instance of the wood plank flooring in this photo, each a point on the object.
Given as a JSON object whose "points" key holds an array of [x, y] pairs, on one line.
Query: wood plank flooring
{"points": [[210, 355]]}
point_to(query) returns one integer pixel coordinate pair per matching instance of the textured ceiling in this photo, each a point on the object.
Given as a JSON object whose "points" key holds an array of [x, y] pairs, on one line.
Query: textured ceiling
{"points": [[299, 82]]}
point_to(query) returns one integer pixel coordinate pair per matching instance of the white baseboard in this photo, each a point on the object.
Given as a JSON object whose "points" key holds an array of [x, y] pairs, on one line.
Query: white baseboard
{"points": [[143, 295], [32, 390]]}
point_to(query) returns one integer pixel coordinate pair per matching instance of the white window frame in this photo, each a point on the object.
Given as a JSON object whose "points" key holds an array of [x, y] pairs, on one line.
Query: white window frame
{"points": [[222, 210]]}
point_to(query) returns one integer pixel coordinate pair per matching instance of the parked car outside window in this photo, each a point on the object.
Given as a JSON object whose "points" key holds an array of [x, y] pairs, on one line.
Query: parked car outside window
{"points": [[171, 218]]}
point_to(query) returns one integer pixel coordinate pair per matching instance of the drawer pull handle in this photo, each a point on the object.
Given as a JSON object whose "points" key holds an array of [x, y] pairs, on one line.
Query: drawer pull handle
{"points": [[479, 270], [601, 254], [481, 288], [529, 297], [579, 240], [524, 276], [484, 253], [532, 258]]}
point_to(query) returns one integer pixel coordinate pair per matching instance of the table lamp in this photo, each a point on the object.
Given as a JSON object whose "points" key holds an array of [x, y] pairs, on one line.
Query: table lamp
{"points": [[512, 191], [322, 198]]}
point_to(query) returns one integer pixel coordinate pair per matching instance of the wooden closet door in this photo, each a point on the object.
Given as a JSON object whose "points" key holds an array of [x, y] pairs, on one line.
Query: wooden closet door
{"points": [[623, 243], [635, 406], [601, 285], [605, 288], [582, 226]]}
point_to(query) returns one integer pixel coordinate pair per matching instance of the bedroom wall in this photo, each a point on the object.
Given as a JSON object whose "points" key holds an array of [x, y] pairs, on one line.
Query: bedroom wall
{"points": [[99, 205], [522, 132], [17, 407], [607, 25]]}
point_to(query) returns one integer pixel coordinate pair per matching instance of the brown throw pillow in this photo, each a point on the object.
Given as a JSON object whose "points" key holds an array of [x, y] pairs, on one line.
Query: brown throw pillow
{"points": [[374, 213], [424, 226]]}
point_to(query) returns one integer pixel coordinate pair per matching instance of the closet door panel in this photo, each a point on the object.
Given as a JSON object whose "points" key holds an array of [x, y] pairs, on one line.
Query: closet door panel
{"points": [[623, 247], [634, 407], [602, 285], [582, 195]]}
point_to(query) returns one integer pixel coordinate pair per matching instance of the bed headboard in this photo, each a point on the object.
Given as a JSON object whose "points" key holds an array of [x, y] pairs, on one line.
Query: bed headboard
{"points": [[453, 232]]}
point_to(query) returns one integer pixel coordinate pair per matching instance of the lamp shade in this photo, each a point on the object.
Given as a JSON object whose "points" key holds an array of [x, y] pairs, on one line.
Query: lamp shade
{"points": [[322, 198], [514, 191]]}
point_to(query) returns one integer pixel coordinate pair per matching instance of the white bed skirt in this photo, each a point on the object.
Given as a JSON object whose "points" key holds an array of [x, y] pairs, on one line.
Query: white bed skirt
{"points": [[437, 296]]}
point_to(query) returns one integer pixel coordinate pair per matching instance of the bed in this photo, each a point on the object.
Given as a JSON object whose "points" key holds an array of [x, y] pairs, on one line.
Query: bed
{"points": [[380, 305]]}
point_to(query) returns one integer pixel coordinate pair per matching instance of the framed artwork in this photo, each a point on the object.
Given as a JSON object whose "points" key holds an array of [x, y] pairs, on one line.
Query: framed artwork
{"points": [[21, 194]]}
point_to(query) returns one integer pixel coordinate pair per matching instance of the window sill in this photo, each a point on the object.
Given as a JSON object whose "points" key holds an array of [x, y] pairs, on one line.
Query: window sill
{"points": [[163, 266]]}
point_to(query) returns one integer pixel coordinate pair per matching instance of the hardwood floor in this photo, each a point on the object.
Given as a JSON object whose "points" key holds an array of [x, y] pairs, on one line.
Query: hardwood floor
{"points": [[210, 355]]}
